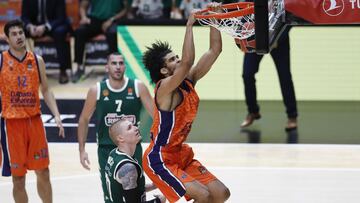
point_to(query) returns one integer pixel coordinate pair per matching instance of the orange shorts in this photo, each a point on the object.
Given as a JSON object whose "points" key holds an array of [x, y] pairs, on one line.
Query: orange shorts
{"points": [[27, 145], [170, 170]]}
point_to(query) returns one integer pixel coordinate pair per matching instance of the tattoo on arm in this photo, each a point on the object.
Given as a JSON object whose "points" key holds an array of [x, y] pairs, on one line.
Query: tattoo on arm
{"points": [[127, 176]]}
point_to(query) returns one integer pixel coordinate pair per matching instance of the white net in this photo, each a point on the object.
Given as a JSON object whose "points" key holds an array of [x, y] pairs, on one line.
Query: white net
{"points": [[241, 27]]}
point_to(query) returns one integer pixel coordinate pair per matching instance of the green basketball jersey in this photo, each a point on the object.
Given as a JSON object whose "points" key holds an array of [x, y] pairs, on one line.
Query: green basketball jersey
{"points": [[112, 104], [115, 161]]}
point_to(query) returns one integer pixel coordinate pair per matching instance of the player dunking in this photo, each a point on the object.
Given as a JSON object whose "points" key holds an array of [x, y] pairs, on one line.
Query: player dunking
{"points": [[168, 162], [22, 73]]}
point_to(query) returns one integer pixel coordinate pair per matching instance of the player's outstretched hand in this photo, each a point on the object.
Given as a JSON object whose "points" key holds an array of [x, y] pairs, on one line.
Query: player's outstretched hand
{"points": [[215, 6], [192, 19]]}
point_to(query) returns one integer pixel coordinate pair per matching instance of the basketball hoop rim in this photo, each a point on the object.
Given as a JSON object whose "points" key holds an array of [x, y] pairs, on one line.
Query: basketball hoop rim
{"points": [[247, 8]]}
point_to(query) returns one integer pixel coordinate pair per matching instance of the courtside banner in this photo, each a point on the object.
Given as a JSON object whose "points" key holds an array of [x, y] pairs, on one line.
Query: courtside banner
{"points": [[70, 111], [325, 11]]}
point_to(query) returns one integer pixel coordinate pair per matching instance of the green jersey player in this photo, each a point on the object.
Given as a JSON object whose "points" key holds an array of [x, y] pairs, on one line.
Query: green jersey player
{"points": [[112, 99], [124, 175]]}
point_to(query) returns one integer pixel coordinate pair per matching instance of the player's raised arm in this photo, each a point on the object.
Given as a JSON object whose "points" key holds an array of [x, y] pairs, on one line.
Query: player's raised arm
{"points": [[208, 58], [182, 67]]}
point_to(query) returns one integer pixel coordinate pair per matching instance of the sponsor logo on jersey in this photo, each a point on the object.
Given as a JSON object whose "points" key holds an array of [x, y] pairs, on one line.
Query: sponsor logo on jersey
{"points": [[333, 7], [202, 169], [111, 118], [11, 63], [110, 161], [29, 65], [105, 92], [130, 91], [22, 99]]}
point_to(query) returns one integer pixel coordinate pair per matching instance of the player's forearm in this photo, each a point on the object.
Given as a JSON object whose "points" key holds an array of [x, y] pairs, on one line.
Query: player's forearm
{"points": [[50, 102], [82, 133], [215, 41], [188, 50]]}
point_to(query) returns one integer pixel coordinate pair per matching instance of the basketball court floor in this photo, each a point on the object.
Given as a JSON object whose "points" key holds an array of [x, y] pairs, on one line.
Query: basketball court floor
{"points": [[254, 173]]}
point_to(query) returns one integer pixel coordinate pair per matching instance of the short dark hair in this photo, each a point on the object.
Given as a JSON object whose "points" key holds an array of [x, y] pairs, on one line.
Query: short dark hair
{"points": [[115, 54], [13, 23], [153, 59]]}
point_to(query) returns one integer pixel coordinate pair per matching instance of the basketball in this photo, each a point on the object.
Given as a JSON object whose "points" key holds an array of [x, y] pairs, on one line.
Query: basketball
{"points": [[247, 45], [246, 29], [248, 26]]}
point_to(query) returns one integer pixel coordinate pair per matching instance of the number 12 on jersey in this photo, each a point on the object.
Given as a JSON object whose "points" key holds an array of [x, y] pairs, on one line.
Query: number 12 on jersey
{"points": [[22, 81]]}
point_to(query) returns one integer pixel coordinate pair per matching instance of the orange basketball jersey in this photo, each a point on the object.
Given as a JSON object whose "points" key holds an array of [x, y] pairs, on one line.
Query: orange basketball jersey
{"points": [[19, 85], [167, 161], [170, 129]]}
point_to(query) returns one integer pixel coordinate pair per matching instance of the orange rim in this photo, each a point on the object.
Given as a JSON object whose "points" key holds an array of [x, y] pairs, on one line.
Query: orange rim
{"points": [[246, 9]]}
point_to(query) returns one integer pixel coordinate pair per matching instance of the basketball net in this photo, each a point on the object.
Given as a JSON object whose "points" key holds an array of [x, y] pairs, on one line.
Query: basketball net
{"points": [[236, 20]]}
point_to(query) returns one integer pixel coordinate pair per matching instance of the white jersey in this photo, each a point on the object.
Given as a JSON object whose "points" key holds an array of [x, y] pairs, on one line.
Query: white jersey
{"points": [[148, 9], [188, 5]]}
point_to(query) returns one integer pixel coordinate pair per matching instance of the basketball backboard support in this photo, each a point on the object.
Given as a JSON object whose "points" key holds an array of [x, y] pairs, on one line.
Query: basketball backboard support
{"points": [[269, 23]]}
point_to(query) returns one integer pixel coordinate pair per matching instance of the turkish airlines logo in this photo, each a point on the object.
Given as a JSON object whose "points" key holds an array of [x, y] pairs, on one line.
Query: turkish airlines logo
{"points": [[333, 7]]}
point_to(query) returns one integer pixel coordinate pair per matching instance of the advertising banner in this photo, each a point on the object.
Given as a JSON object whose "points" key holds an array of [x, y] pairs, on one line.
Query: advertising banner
{"points": [[70, 111], [325, 11]]}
